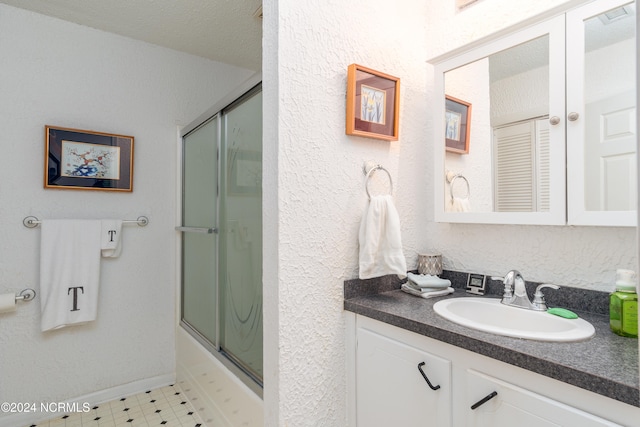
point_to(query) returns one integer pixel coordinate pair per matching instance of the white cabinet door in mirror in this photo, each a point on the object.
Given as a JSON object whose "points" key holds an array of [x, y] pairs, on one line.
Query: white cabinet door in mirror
{"points": [[601, 132], [509, 151]]}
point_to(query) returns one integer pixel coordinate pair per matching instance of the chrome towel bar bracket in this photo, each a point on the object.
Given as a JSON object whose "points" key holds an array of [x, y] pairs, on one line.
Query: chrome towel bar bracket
{"points": [[26, 295]]}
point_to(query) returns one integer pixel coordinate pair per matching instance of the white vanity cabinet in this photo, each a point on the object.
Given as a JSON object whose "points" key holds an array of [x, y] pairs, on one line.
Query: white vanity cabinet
{"points": [[391, 388], [514, 405], [386, 388]]}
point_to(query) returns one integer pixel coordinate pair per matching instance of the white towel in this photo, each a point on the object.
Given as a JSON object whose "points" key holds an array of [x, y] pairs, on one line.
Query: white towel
{"points": [[111, 241], [428, 281], [457, 204], [69, 272], [432, 294], [417, 288], [380, 240]]}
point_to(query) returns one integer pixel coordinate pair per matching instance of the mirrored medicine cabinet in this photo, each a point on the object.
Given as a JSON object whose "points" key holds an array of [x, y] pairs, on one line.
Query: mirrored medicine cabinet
{"points": [[538, 122]]}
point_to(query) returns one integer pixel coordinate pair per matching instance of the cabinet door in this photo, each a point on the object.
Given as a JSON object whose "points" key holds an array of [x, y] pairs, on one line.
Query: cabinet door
{"points": [[390, 388], [601, 114], [516, 406], [507, 80]]}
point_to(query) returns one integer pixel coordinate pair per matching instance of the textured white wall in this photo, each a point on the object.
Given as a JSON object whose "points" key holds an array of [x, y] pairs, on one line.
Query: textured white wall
{"points": [[67, 75], [312, 218], [314, 194], [448, 29]]}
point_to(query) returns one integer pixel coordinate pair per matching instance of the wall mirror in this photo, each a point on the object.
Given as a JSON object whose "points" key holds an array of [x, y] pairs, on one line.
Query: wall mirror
{"points": [[539, 136], [601, 108]]}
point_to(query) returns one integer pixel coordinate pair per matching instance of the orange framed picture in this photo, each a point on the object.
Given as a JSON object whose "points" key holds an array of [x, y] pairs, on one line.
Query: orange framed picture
{"points": [[373, 103], [457, 119]]}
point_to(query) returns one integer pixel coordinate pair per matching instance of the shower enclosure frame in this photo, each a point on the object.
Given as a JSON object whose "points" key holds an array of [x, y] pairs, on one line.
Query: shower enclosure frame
{"points": [[245, 91]]}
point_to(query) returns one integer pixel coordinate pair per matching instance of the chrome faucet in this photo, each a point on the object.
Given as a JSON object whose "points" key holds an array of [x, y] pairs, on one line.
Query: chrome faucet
{"points": [[515, 293]]}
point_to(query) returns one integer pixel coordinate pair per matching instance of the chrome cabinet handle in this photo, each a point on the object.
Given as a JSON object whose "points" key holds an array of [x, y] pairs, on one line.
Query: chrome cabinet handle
{"points": [[207, 230], [484, 400], [420, 365], [573, 116], [554, 120]]}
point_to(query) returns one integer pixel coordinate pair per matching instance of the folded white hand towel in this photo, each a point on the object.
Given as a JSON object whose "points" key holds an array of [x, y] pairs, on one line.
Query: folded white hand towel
{"points": [[380, 242], [432, 294], [69, 272], [417, 288], [428, 281], [111, 239]]}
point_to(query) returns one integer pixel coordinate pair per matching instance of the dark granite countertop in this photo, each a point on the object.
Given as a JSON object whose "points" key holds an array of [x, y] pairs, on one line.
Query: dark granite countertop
{"points": [[606, 364]]}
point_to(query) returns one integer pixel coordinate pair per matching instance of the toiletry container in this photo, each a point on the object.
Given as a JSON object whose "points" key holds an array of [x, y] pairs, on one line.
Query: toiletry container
{"points": [[623, 305], [430, 264]]}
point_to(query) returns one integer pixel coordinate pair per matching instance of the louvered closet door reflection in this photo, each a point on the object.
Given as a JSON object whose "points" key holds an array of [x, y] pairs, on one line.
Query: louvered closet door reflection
{"points": [[521, 158]]}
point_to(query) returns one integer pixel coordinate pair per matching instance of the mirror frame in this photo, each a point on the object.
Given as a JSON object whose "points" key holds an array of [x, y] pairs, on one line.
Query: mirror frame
{"points": [[555, 28]]}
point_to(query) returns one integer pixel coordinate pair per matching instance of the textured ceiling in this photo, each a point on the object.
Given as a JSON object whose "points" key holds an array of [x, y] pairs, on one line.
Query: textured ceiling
{"points": [[222, 30]]}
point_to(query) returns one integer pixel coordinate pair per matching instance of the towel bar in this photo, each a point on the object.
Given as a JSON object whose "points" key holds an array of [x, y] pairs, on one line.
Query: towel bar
{"points": [[207, 230], [32, 221]]}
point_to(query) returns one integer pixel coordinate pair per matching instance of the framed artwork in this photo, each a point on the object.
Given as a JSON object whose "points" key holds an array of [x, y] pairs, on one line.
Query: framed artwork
{"points": [[373, 103], [244, 173], [87, 160], [457, 118]]}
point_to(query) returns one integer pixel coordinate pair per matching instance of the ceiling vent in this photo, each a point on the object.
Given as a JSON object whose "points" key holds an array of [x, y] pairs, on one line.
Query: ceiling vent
{"points": [[616, 14]]}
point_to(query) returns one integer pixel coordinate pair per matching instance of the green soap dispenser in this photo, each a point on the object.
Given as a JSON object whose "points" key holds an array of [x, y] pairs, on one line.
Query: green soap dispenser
{"points": [[623, 305]]}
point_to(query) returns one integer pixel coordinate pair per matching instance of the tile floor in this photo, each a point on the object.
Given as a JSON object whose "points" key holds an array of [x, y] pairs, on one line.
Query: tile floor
{"points": [[231, 407], [167, 406]]}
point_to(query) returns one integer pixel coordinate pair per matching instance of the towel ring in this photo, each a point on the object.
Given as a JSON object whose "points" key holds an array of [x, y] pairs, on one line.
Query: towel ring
{"points": [[369, 172], [452, 179]]}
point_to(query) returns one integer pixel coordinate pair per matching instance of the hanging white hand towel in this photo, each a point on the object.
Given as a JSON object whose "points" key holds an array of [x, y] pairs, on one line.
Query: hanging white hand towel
{"points": [[380, 240], [69, 272], [111, 240], [458, 204]]}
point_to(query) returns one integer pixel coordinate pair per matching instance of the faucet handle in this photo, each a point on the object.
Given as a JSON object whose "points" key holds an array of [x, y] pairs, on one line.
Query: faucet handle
{"points": [[509, 283], [507, 292], [538, 302]]}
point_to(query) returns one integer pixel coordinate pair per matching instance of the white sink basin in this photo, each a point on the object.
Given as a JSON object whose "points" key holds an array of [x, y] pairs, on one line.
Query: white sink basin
{"points": [[490, 315]]}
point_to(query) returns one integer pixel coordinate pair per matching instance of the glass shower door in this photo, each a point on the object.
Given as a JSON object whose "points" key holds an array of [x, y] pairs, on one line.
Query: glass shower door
{"points": [[241, 234], [199, 217], [222, 270]]}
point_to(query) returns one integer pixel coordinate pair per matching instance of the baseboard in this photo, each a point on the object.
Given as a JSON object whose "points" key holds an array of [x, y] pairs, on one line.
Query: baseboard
{"points": [[96, 398]]}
